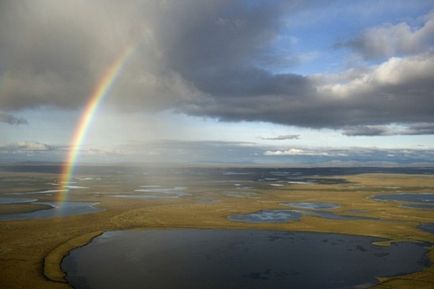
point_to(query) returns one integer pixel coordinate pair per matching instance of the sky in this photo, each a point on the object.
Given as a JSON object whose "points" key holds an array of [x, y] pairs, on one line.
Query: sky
{"points": [[247, 82]]}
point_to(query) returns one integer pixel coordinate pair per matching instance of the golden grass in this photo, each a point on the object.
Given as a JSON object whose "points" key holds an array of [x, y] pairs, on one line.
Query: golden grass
{"points": [[21, 208]]}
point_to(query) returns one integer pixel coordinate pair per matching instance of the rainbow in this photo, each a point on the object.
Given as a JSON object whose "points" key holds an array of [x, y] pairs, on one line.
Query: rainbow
{"points": [[101, 89]]}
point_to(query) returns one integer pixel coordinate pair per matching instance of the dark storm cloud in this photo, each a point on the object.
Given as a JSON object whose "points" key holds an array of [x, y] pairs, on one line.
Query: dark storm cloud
{"points": [[217, 46], [205, 58], [233, 88], [12, 120], [42, 53], [53, 52]]}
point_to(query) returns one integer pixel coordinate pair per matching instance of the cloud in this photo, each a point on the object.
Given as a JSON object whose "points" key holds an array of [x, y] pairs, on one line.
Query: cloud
{"points": [[12, 120], [382, 130], [366, 130], [394, 39], [219, 152], [354, 156], [295, 152], [200, 58], [282, 137], [399, 90], [419, 129], [27, 146], [180, 48]]}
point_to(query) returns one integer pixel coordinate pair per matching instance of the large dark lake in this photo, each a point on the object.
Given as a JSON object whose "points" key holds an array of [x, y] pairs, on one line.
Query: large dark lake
{"points": [[236, 259]]}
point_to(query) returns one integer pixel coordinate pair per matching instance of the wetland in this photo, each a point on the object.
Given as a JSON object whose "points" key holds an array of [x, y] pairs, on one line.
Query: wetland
{"points": [[202, 202]]}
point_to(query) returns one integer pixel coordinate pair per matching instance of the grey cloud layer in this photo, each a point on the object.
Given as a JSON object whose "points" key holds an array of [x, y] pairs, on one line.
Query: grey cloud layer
{"points": [[10, 119], [202, 58], [27, 146], [170, 151], [382, 130]]}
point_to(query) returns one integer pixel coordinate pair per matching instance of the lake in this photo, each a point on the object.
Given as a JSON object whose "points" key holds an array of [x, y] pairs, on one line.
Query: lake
{"points": [[234, 259]]}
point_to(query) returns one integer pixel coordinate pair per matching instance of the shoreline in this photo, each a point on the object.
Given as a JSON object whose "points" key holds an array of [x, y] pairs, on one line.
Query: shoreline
{"points": [[51, 263], [52, 270], [7, 209]]}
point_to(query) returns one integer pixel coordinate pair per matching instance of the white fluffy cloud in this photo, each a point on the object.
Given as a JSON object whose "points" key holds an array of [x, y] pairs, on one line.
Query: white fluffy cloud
{"points": [[393, 72], [395, 39]]}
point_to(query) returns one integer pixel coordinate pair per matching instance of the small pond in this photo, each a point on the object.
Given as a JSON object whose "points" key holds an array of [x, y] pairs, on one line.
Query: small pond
{"points": [[428, 228], [406, 197], [267, 216], [58, 209], [283, 216]]}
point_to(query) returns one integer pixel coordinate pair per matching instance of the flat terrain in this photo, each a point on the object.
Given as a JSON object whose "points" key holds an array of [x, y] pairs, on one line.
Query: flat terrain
{"points": [[31, 250], [22, 208]]}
